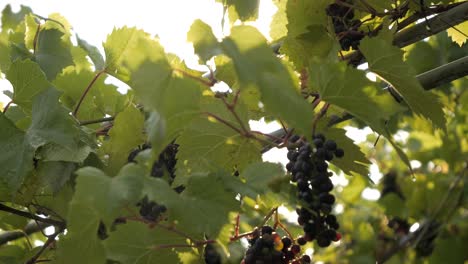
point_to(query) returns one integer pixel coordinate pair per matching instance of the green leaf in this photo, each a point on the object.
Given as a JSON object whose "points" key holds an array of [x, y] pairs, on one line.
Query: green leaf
{"points": [[54, 174], [127, 48], [81, 243], [27, 80], [279, 21], [259, 175], [5, 49], [256, 64], [208, 144], [386, 61], [204, 41], [10, 19], [52, 53], [245, 9], [417, 57], [51, 122], [106, 195], [125, 135], [31, 31], [16, 157], [348, 88], [198, 210], [354, 159], [135, 243], [93, 53], [176, 100]]}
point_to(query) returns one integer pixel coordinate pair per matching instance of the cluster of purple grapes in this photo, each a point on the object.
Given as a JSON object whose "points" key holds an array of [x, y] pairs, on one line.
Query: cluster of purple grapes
{"points": [[309, 170], [166, 162], [344, 24], [266, 246]]}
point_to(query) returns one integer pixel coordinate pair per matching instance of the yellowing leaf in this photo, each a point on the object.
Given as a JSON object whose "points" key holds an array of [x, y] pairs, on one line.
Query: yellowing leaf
{"points": [[458, 33]]}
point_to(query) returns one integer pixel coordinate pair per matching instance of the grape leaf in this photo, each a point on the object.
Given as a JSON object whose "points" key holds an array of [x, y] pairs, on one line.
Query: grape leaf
{"points": [[386, 62], [16, 157], [456, 33], [52, 123], [354, 159], [176, 101], [52, 54], [198, 210], [5, 49], [27, 80], [244, 9], [10, 19], [204, 41], [54, 174], [347, 88], [125, 135], [259, 175], [149, 246], [106, 195], [279, 21], [93, 53], [208, 144], [127, 48], [256, 64], [81, 244]]}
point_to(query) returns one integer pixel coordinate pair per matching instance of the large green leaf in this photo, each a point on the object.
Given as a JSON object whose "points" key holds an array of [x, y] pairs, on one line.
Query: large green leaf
{"points": [[93, 53], [386, 61], [10, 19], [125, 135], [135, 243], [349, 89], [107, 194], [204, 41], [52, 53], [81, 244], [27, 80], [176, 101], [198, 210], [256, 65], [208, 144], [51, 122], [127, 48], [16, 157]]}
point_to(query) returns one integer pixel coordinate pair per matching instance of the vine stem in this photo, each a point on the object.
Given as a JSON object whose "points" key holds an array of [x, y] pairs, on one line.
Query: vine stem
{"points": [[36, 36], [31, 216], [99, 73], [7, 106], [96, 121], [201, 80], [221, 120], [50, 240]]}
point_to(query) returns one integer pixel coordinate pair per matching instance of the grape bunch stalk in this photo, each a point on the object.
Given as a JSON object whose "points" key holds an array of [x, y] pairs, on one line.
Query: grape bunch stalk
{"points": [[309, 170]]}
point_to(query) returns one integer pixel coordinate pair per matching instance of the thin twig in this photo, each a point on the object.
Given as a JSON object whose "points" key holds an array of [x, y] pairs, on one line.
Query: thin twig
{"points": [[87, 90], [49, 241], [36, 36], [221, 120], [31, 216], [7, 106], [96, 121], [201, 80]]}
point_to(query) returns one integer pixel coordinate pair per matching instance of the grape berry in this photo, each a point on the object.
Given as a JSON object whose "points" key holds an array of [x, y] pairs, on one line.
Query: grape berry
{"points": [[266, 246], [309, 170]]}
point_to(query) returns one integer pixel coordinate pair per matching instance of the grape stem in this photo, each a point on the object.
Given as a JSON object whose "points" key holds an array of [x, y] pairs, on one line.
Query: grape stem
{"points": [[7, 106], [99, 73], [201, 80]]}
